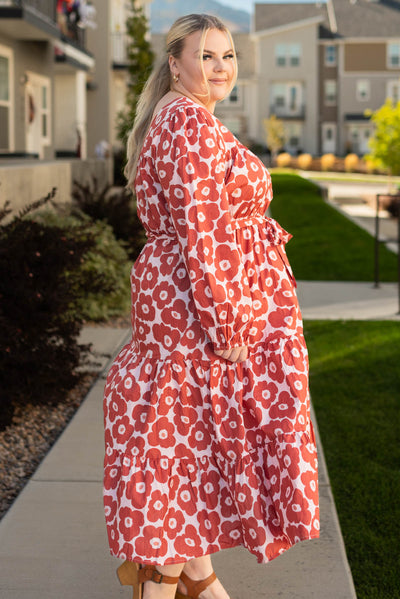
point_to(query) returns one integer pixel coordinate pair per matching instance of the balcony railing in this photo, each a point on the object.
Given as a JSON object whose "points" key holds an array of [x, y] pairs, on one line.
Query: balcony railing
{"points": [[297, 111], [46, 8], [119, 49], [45, 11]]}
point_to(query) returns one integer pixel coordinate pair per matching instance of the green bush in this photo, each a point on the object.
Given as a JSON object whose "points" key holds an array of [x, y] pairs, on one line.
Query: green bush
{"points": [[115, 206], [40, 274], [106, 266]]}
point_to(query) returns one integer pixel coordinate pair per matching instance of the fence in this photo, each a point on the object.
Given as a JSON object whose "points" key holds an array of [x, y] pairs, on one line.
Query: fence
{"points": [[393, 199]]}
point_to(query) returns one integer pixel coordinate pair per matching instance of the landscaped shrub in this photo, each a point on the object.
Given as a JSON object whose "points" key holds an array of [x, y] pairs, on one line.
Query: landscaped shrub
{"points": [[106, 266], [115, 206], [40, 274], [304, 161], [283, 160], [351, 163], [328, 162], [119, 162]]}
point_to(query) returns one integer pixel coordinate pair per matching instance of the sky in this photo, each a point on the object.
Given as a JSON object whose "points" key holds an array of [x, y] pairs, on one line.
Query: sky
{"points": [[248, 4]]}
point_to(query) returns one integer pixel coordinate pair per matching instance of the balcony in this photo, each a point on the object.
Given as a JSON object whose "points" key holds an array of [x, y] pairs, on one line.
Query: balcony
{"points": [[34, 20], [284, 112], [38, 20], [119, 50]]}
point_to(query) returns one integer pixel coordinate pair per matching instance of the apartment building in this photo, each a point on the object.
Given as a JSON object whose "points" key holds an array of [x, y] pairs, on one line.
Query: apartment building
{"points": [[43, 72], [320, 66], [108, 80]]}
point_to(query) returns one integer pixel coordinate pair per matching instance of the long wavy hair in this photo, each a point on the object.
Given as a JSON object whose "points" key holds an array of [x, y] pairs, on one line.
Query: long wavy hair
{"points": [[160, 80]]}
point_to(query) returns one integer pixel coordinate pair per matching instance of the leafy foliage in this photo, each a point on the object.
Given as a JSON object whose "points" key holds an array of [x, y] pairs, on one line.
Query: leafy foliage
{"points": [[385, 143], [105, 267], [116, 207], [275, 134], [140, 63], [39, 329]]}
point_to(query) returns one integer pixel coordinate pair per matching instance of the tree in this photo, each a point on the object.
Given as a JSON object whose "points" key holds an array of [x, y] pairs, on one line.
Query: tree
{"points": [[140, 63], [276, 135], [385, 143]]}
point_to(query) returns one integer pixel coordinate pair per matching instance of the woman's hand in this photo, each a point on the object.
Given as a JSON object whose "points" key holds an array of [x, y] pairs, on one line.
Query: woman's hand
{"points": [[236, 354]]}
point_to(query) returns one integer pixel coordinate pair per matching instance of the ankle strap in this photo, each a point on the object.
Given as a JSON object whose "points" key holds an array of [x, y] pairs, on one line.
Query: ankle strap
{"points": [[150, 573], [195, 587]]}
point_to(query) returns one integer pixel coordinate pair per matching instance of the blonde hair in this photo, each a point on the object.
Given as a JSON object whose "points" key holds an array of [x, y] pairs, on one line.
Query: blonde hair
{"points": [[159, 82]]}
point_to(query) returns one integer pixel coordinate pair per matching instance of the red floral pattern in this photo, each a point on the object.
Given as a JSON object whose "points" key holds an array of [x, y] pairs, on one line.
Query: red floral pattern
{"points": [[203, 454]]}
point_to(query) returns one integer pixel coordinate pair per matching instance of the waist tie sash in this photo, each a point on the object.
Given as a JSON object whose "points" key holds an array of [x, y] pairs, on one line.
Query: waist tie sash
{"points": [[276, 234]]}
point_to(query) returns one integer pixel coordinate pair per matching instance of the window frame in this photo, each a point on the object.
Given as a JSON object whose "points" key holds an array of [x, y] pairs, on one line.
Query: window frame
{"points": [[330, 62], [288, 55], [9, 104], [359, 96], [389, 54], [231, 100], [328, 100], [390, 86]]}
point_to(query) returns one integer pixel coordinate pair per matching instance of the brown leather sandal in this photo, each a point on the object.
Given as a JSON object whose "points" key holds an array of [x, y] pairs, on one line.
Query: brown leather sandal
{"points": [[135, 575], [194, 587]]}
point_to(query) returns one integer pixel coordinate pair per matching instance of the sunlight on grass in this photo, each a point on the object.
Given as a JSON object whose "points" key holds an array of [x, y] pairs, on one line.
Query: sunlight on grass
{"points": [[326, 245], [355, 388]]}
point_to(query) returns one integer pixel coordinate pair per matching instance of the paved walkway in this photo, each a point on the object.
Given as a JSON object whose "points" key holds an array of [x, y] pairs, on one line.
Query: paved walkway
{"points": [[53, 541]]}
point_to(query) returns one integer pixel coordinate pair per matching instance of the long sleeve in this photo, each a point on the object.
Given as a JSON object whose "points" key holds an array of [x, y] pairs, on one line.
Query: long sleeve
{"points": [[191, 166]]}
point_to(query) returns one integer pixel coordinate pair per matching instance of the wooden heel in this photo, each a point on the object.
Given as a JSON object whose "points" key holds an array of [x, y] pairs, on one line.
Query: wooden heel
{"points": [[128, 575]]}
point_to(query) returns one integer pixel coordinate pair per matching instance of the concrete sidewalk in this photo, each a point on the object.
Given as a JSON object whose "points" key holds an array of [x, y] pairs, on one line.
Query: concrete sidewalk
{"points": [[348, 301], [53, 541]]}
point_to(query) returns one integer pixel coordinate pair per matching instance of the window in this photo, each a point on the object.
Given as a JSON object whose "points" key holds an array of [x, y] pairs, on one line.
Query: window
{"points": [[393, 90], [330, 92], [280, 55], [6, 102], [234, 95], [234, 98], [278, 95], [287, 55], [294, 55], [293, 97], [287, 98], [393, 55], [45, 112], [330, 56], [294, 135], [363, 90]]}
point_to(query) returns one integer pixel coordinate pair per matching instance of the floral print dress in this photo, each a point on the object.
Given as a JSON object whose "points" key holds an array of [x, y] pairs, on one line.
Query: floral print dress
{"points": [[203, 454]]}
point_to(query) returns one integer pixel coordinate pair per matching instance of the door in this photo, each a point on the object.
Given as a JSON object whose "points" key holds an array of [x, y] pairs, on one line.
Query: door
{"points": [[329, 138], [37, 109]]}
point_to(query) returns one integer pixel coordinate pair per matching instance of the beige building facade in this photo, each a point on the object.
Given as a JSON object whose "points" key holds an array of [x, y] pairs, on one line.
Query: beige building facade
{"points": [[108, 81], [43, 76], [320, 67]]}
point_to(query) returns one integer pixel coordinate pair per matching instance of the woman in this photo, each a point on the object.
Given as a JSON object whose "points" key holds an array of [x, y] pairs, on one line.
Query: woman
{"points": [[209, 442]]}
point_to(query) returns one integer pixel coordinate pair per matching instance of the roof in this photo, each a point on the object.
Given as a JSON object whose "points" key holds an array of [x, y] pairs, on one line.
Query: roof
{"points": [[366, 18], [354, 18], [269, 16]]}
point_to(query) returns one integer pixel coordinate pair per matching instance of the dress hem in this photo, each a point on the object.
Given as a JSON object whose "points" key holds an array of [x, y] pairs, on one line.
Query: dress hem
{"points": [[260, 559]]}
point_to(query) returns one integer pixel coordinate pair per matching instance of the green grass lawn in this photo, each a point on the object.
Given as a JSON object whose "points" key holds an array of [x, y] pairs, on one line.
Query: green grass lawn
{"points": [[326, 246], [355, 386]]}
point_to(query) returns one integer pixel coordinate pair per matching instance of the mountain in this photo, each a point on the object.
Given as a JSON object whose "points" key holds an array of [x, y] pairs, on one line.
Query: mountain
{"points": [[164, 12]]}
